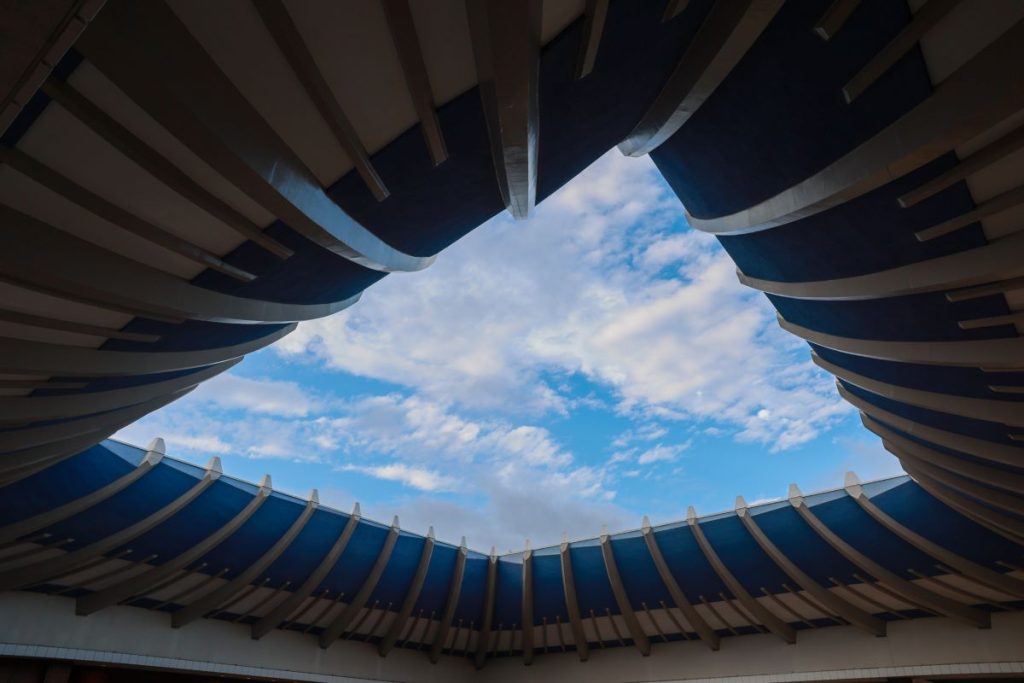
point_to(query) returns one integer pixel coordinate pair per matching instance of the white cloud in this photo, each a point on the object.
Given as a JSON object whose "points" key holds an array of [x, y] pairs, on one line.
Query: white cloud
{"points": [[599, 284], [271, 397], [496, 338], [662, 453], [207, 443], [511, 480], [416, 477], [199, 426]]}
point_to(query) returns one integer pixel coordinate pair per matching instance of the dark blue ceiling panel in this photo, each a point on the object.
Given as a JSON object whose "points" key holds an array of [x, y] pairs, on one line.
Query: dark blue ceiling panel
{"points": [[913, 507], [439, 577], [337, 278], [964, 381], [966, 457], [978, 429], [725, 159], [142, 498], [214, 508], [72, 478], [845, 518], [471, 598], [797, 541], [843, 241], [742, 556], [254, 538], [191, 335], [508, 599], [432, 207], [921, 317], [108, 383], [397, 578], [688, 564], [357, 560], [639, 575], [548, 591], [583, 118], [303, 556], [593, 592]]}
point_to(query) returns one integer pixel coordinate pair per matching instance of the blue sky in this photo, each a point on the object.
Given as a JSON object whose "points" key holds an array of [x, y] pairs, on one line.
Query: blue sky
{"points": [[586, 367]]}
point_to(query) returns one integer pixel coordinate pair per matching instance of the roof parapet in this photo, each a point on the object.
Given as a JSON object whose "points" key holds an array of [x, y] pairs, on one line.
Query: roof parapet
{"points": [[214, 469], [155, 452]]}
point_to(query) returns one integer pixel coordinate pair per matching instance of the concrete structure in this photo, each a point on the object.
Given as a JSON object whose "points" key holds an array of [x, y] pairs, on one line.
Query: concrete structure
{"points": [[181, 182]]}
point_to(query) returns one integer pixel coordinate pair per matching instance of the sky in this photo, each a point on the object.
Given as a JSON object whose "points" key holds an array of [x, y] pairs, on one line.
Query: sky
{"points": [[591, 365]]}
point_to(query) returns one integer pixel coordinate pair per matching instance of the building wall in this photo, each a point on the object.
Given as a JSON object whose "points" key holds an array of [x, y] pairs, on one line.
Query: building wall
{"points": [[46, 627]]}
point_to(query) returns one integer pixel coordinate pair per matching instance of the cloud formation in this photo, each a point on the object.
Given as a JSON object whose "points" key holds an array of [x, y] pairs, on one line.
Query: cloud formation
{"points": [[604, 289], [604, 283]]}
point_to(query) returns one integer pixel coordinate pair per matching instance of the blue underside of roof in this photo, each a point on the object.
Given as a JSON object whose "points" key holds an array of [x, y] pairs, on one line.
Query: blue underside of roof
{"points": [[972, 382], [901, 499], [722, 161], [978, 429], [581, 120], [725, 160]]}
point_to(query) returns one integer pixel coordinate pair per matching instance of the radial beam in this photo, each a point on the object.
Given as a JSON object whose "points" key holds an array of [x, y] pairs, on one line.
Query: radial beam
{"points": [[978, 161], [724, 37], [1000, 353], [696, 621], [17, 355], [834, 18], [327, 562], [846, 610], [527, 606], [138, 584], [199, 105], [38, 572], [978, 448], [451, 604], [923, 21], [1004, 482], [154, 454], [114, 214], [594, 17], [506, 46], [483, 645], [342, 622], [22, 448], [966, 504], [636, 632], [411, 596], [999, 260], [973, 570], [975, 98], [159, 167], [44, 33], [572, 605], [1006, 412], [38, 408], [289, 40], [907, 590], [1002, 287], [990, 207], [82, 271], [47, 323], [1000, 500], [14, 440], [27, 462], [759, 611], [410, 55], [214, 599], [673, 8]]}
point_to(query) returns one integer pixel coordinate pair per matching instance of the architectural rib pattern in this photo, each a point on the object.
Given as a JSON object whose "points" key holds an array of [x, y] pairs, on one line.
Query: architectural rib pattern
{"points": [[181, 183]]}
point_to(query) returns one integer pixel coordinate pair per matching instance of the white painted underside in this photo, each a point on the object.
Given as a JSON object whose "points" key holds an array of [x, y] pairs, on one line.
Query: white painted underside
{"points": [[33, 625]]}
